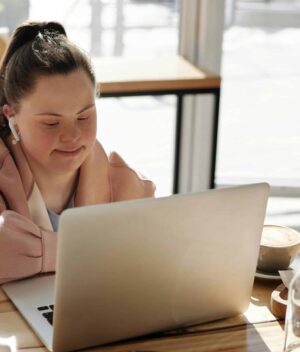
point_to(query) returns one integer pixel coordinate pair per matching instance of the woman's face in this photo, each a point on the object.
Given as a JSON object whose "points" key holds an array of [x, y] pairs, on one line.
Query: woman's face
{"points": [[57, 122]]}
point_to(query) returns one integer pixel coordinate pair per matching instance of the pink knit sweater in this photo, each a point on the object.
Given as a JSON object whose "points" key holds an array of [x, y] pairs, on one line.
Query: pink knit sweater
{"points": [[27, 240]]}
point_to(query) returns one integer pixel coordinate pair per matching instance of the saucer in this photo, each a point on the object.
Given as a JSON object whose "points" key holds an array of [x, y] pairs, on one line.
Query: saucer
{"points": [[265, 275]]}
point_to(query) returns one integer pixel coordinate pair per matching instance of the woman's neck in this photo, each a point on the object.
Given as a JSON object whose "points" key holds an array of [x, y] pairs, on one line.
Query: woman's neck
{"points": [[56, 190]]}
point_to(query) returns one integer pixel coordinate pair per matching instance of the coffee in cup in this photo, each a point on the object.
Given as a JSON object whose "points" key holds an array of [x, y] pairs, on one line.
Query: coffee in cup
{"points": [[279, 246]]}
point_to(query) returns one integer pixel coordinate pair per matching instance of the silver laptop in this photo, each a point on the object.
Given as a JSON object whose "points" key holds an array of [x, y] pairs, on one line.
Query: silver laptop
{"points": [[131, 268]]}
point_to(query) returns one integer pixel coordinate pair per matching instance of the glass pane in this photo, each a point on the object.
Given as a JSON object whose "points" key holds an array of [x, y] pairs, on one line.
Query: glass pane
{"points": [[141, 129], [259, 125]]}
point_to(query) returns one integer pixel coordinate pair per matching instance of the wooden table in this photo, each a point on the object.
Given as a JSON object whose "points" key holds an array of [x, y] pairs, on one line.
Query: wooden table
{"points": [[120, 77], [256, 330]]}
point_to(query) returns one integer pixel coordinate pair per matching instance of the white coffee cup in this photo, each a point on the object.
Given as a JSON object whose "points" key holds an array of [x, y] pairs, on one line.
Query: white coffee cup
{"points": [[279, 246]]}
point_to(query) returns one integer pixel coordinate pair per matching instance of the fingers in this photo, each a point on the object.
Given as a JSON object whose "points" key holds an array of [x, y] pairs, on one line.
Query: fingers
{"points": [[12, 221], [20, 247]]}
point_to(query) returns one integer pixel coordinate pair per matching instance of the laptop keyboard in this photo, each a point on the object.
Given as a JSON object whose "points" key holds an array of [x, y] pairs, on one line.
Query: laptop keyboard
{"points": [[47, 312]]}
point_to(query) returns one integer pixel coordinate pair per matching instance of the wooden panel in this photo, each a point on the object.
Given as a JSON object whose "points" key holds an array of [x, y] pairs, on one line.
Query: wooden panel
{"points": [[36, 349], [264, 337], [12, 324], [127, 75], [6, 306], [3, 296]]}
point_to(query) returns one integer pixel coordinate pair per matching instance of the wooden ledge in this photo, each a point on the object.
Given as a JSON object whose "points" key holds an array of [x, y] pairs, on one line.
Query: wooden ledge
{"points": [[117, 75]]}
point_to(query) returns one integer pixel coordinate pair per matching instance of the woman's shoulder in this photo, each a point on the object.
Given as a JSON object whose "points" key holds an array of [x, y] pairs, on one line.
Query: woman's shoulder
{"points": [[128, 183], [14, 166]]}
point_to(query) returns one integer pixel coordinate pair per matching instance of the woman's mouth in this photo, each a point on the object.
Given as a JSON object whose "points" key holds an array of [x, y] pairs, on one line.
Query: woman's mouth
{"points": [[67, 152]]}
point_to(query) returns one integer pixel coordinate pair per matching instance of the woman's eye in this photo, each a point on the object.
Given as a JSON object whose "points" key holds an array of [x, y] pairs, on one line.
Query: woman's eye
{"points": [[83, 118], [51, 124]]}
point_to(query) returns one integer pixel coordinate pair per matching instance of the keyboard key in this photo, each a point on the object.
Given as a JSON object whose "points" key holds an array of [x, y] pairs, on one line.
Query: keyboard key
{"points": [[49, 317]]}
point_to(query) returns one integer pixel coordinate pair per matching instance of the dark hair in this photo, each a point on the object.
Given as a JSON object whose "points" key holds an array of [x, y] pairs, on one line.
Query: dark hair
{"points": [[35, 49]]}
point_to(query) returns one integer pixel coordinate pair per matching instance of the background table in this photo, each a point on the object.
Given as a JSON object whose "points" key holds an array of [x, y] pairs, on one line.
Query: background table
{"points": [[121, 77], [256, 330]]}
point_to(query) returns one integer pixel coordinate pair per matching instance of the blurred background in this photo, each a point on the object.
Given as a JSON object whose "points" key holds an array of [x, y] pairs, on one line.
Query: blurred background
{"points": [[259, 64]]}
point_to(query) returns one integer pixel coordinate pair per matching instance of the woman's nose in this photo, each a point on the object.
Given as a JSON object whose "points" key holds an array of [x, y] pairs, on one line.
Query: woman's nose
{"points": [[70, 133]]}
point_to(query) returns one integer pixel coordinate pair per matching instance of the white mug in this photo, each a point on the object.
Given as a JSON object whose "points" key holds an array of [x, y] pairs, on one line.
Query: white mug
{"points": [[279, 246]]}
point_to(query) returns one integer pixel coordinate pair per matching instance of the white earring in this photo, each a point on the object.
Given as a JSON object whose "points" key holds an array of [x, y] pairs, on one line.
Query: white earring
{"points": [[11, 124]]}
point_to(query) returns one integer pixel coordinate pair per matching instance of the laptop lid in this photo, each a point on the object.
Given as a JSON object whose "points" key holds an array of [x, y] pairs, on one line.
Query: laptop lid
{"points": [[130, 268]]}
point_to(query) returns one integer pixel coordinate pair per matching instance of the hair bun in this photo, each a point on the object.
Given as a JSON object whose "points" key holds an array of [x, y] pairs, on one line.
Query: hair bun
{"points": [[30, 30], [53, 27], [27, 32]]}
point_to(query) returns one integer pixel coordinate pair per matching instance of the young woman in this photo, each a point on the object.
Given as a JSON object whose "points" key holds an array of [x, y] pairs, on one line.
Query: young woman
{"points": [[49, 156]]}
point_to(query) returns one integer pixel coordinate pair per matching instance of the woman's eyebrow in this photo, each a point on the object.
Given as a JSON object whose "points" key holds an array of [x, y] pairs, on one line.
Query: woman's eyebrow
{"points": [[59, 115], [86, 108]]}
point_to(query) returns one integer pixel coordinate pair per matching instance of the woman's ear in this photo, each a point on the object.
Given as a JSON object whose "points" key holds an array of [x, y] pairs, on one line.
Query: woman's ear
{"points": [[9, 114], [8, 111]]}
